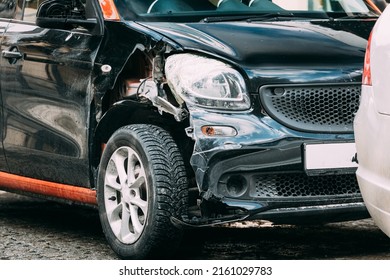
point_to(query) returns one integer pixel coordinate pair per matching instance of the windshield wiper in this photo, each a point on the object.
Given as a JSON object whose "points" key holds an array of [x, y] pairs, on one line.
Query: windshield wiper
{"points": [[262, 17], [354, 16]]}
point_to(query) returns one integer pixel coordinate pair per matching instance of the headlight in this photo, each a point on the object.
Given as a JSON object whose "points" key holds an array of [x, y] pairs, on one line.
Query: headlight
{"points": [[206, 82]]}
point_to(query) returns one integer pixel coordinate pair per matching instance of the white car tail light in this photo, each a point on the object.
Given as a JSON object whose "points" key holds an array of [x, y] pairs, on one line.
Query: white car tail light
{"points": [[367, 64]]}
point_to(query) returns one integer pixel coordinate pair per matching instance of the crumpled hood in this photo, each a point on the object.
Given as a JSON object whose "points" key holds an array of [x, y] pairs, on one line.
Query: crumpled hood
{"points": [[261, 47]]}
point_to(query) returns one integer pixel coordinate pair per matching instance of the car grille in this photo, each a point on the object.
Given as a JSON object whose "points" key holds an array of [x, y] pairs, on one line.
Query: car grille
{"points": [[300, 185], [312, 108]]}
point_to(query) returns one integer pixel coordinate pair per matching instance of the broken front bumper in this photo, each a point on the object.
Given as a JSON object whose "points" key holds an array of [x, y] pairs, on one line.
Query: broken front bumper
{"points": [[259, 172]]}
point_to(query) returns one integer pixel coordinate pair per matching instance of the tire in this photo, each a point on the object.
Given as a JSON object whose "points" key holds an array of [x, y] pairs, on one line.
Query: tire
{"points": [[142, 183]]}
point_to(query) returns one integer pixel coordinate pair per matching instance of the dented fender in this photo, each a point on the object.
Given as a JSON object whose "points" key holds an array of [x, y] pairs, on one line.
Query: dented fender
{"points": [[110, 60]]}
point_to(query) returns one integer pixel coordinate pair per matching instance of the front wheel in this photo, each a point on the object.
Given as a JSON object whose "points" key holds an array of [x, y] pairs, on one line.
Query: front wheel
{"points": [[142, 183]]}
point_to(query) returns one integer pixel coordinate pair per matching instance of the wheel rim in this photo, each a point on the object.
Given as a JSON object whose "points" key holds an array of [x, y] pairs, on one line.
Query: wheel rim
{"points": [[126, 195]]}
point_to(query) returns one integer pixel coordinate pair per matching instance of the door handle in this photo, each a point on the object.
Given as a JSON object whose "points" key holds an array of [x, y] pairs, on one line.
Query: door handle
{"points": [[12, 54]]}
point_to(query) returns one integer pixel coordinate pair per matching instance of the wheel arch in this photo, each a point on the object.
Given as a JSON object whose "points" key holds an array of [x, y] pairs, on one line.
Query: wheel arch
{"points": [[120, 114], [128, 112]]}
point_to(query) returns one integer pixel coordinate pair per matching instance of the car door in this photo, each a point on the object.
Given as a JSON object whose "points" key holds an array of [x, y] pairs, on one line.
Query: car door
{"points": [[46, 94], [9, 9]]}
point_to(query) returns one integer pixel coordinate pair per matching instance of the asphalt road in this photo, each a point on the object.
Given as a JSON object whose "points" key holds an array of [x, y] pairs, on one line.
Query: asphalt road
{"points": [[33, 229]]}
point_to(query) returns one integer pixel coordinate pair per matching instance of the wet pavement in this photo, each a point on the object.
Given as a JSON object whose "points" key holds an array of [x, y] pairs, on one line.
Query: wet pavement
{"points": [[33, 229]]}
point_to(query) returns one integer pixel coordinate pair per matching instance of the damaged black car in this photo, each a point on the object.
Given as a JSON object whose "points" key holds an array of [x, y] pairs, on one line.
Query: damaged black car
{"points": [[173, 114]]}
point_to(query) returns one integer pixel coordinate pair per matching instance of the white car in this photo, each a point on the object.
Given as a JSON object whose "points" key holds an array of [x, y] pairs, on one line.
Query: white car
{"points": [[372, 125]]}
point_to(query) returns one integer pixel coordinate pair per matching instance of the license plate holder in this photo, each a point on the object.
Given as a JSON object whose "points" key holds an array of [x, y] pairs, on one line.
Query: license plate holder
{"points": [[329, 158]]}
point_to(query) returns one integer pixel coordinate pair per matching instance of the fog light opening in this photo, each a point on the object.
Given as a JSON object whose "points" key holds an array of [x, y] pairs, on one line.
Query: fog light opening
{"points": [[236, 185]]}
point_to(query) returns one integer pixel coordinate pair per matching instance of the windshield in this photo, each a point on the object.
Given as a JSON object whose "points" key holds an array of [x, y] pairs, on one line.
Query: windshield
{"points": [[193, 10]]}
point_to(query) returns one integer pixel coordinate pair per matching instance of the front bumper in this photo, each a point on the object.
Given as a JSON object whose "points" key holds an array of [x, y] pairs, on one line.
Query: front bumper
{"points": [[260, 171], [372, 144]]}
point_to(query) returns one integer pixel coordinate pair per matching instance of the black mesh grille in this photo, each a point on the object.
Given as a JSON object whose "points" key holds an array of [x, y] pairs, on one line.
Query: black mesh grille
{"points": [[300, 185], [327, 108]]}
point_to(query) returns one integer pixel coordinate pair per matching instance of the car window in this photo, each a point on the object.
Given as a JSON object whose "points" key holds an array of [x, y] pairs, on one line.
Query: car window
{"points": [[10, 8], [7, 8], [350, 6], [149, 9], [30, 10]]}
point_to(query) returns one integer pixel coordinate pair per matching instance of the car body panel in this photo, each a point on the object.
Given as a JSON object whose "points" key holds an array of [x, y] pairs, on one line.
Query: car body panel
{"points": [[49, 190], [3, 163], [303, 45], [45, 94], [381, 83], [261, 43], [121, 41], [372, 131]]}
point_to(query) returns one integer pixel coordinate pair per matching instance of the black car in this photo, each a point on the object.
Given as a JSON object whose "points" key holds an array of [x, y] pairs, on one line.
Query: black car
{"points": [[172, 114]]}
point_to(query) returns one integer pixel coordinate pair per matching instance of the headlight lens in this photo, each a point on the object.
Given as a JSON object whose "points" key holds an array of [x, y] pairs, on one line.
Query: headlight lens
{"points": [[206, 82]]}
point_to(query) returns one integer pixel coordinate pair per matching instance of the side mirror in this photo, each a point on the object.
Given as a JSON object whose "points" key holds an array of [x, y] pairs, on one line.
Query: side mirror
{"points": [[63, 14]]}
